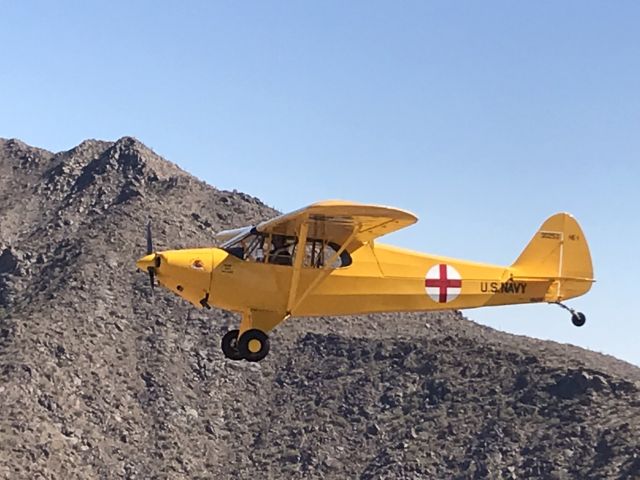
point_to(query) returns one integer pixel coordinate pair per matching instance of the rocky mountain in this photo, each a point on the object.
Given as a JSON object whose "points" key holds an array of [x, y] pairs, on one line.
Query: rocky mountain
{"points": [[101, 380]]}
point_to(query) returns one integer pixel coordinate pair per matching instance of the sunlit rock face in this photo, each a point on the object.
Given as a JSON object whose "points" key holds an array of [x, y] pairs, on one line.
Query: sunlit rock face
{"points": [[101, 380]]}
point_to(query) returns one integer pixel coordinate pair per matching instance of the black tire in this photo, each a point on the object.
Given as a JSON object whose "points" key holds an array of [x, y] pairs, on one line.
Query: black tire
{"points": [[243, 345], [230, 345], [578, 319]]}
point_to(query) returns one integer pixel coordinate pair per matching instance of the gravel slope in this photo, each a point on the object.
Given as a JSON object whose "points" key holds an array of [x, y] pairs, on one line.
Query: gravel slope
{"points": [[100, 380]]}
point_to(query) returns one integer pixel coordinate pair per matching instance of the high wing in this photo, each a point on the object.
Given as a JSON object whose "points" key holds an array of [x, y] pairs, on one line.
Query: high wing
{"points": [[340, 221]]}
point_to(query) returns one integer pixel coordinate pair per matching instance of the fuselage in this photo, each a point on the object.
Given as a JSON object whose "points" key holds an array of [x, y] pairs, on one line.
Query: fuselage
{"points": [[380, 278]]}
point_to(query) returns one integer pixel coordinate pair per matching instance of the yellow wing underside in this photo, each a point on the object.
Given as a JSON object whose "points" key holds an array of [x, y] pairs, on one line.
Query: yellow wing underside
{"points": [[338, 221]]}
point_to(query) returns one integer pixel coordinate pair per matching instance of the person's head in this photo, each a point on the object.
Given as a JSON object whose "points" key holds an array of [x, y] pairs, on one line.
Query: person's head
{"points": [[278, 241]]}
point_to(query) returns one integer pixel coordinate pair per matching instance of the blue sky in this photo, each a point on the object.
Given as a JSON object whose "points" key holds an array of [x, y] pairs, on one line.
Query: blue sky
{"points": [[481, 117]]}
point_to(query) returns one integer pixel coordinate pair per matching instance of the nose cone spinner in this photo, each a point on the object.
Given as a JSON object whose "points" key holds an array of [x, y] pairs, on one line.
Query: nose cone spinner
{"points": [[186, 273], [147, 261]]}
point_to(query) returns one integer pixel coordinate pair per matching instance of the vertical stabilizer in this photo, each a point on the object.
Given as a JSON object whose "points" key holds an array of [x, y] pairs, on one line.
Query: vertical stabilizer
{"points": [[558, 251]]}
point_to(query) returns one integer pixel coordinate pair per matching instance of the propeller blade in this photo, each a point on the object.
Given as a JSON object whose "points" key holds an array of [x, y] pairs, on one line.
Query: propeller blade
{"points": [[149, 239], [151, 270], [152, 278]]}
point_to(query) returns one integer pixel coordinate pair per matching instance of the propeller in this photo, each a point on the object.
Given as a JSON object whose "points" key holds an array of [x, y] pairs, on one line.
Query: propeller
{"points": [[151, 270]]}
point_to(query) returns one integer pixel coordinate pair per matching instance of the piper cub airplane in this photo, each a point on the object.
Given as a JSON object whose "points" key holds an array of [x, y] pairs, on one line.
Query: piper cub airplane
{"points": [[324, 260]]}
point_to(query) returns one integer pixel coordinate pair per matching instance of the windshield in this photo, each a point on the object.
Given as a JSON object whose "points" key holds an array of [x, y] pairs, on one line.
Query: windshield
{"points": [[246, 246]]}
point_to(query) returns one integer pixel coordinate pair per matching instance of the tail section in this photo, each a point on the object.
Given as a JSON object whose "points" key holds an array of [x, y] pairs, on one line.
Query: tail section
{"points": [[558, 252]]}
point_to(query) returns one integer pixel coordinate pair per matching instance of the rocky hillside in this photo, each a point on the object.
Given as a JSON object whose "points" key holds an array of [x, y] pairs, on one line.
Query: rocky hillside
{"points": [[101, 380]]}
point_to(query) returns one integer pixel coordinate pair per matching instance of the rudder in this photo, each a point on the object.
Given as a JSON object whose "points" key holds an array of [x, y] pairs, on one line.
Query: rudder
{"points": [[558, 251]]}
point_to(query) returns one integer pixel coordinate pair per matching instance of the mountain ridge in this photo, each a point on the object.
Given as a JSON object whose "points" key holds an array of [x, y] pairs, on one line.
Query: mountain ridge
{"points": [[102, 380]]}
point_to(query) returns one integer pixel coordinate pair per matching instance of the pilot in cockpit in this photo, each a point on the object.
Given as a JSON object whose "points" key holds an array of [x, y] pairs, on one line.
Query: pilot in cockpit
{"points": [[280, 251]]}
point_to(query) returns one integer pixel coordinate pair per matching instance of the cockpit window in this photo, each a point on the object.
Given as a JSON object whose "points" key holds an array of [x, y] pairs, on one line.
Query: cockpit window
{"points": [[254, 246], [281, 250]]}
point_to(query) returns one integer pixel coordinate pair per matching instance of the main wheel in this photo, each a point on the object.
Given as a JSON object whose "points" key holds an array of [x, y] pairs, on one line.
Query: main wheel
{"points": [[578, 319], [253, 345], [230, 345]]}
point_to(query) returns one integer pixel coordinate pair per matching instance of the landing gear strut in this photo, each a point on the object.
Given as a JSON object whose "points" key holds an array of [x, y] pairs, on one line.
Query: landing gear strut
{"points": [[577, 318], [252, 346]]}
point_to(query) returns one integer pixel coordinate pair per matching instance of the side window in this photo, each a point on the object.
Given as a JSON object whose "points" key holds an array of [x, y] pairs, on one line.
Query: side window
{"points": [[281, 250], [313, 254], [317, 253]]}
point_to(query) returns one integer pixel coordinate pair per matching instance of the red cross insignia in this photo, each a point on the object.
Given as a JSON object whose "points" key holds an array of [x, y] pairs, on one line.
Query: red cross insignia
{"points": [[443, 283]]}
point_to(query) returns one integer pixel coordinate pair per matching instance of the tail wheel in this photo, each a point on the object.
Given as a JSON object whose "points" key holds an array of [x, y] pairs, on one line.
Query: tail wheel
{"points": [[253, 345], [230, 345], [578, 319]]}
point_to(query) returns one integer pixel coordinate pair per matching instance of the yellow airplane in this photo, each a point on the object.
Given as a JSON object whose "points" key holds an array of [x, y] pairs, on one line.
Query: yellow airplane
{"points": [[324, 260]]}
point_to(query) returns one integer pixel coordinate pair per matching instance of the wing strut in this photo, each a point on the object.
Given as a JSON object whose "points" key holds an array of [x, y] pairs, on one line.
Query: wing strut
{"points": [[297, 263]]}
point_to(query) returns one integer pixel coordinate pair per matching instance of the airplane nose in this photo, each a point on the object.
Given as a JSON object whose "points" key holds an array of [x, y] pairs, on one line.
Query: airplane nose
{"points": [[147, 261], [188, 273]]}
